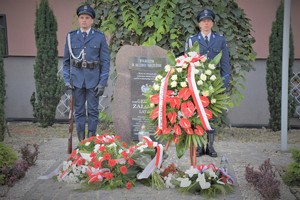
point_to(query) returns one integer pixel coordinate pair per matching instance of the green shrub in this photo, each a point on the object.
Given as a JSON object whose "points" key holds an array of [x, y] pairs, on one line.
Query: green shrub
{"points": [[292, 176], [8, 156]]}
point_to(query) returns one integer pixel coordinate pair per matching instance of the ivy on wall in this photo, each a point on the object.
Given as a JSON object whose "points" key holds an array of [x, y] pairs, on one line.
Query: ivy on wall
{"points": [[168, 23]]}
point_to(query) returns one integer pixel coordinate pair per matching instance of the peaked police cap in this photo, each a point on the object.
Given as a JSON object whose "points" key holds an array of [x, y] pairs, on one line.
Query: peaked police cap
{"points": [[206, 14], [86, 9]]}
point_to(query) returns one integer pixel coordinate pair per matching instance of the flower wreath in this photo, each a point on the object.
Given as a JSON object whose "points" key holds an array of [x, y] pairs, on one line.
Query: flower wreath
{"points": [[185, 97]]}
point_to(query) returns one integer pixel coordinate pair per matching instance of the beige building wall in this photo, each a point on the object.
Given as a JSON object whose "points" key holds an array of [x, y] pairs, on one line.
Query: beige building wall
{"points": [[20, 16]]}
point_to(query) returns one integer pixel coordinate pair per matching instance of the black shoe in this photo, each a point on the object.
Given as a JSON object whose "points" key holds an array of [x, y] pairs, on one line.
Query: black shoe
{"points": [[200, 151], [210, 150]]}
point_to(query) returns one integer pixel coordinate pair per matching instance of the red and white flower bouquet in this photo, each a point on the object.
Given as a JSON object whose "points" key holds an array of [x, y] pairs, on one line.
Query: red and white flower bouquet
{"points": [[184, 99]]}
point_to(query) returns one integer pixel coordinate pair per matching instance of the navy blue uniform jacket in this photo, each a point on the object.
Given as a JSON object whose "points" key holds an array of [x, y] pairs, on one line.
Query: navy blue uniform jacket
{"points": [[96, 49], [217, 43]]}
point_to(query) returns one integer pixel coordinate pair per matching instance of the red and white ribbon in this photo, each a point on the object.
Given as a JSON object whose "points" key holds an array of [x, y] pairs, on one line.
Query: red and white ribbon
{"points": [[227, 178], [155, 162], [194, 91], [162, 118]]}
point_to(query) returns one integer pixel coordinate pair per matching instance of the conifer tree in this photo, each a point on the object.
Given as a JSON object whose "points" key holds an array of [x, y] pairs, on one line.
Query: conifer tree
{"points": [[2, 88], [47, 83], [274, 70]]}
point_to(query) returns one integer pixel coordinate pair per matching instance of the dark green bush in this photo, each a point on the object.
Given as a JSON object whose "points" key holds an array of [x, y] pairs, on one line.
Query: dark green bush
{"points": [[8, 156], [274, 71], [292, 176]]}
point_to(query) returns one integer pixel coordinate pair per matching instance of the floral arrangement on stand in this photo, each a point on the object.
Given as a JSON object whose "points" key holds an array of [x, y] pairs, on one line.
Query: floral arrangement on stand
{"points": [[184, 99]]}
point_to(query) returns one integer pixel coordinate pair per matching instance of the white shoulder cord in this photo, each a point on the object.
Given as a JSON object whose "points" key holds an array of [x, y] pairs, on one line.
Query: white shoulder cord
{"points": [[70, 49]]}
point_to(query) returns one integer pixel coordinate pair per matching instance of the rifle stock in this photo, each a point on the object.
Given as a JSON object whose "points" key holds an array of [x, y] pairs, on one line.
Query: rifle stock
{"points": [[71, 125]]}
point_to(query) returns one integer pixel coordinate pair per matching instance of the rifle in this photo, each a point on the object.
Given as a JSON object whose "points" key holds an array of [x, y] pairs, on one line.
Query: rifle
{"points": [[71, 123]]}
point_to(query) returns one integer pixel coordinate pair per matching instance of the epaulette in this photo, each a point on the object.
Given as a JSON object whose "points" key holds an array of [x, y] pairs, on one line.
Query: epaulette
{"points": [[73, 31], [98, 31]]}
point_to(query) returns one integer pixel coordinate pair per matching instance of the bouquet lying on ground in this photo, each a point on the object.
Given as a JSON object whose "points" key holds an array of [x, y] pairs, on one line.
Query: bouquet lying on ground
{"points": [[204, 179], [103, 161]]}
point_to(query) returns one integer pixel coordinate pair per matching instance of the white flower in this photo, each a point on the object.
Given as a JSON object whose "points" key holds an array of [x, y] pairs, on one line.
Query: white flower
{"points": [[203, 58], [168, 181], [211, 173], [211, 66], [200, 82], [213, 77], [156, 87], [213, 101], [167, 68], [202, 182], [197, 64], [174, 77], [197, 71], [183, 84], [203, 77], [208, 72], [87, 143], [192, 53], [152, 105], [179, 69], [184, 182], [158, 77], [188, 59], [205, 93], [173, 84], [96, 148], [192, 171], [112, 145], [185, 65]]}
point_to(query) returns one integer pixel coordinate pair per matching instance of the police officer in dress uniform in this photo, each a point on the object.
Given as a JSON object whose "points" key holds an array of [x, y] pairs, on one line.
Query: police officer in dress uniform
{"points": [[211, 44], [86, 69]]}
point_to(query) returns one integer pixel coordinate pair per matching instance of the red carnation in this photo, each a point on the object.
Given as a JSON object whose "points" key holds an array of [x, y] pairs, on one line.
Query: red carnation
{"points": [[130, 162], [123, 169], [128, 185], [102, 148], [106, 156], [124, 154], [112, 162]]}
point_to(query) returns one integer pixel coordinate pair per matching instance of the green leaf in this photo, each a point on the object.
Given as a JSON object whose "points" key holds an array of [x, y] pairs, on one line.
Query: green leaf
{"points": [[216, 59], [171, 58], [180, 149], [195, 47]]}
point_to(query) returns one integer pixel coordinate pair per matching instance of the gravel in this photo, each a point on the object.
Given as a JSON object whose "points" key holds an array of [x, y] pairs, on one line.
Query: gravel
{"points": [[242, 147]]}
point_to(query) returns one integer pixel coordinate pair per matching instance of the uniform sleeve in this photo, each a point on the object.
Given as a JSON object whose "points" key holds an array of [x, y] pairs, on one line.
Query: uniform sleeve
{"points": [[225, 66], [104, 62], [188, 44], [66, 63]]}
